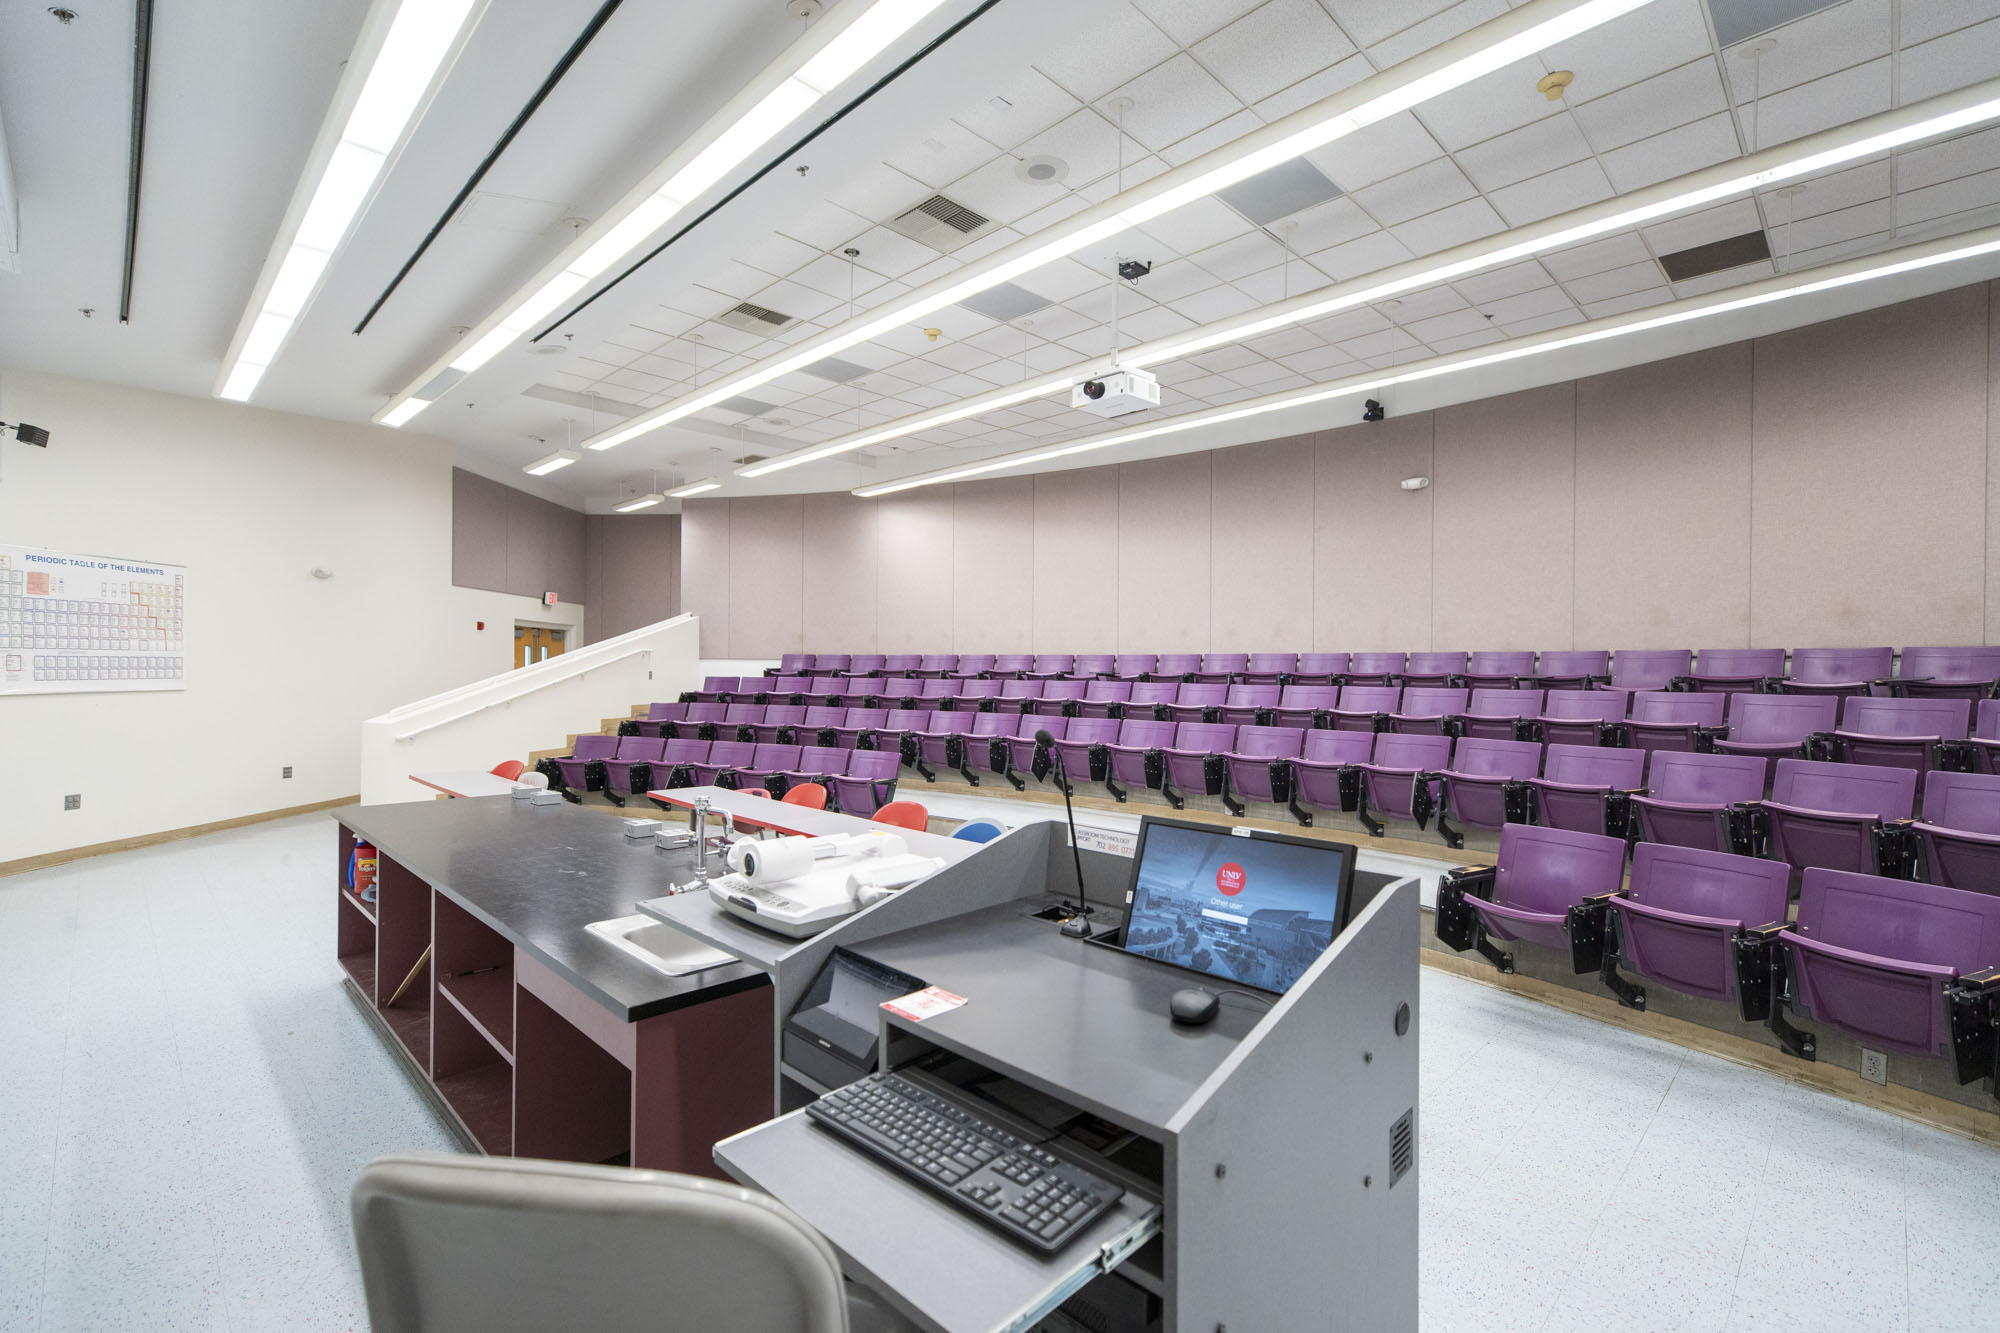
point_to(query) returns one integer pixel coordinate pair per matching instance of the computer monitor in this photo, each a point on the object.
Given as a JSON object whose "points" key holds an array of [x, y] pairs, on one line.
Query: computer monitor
{"points": [[1254, 910]]}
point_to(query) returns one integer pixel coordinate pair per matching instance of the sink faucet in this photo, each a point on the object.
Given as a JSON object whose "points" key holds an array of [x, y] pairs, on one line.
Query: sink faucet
{"points": [[698, 818]]}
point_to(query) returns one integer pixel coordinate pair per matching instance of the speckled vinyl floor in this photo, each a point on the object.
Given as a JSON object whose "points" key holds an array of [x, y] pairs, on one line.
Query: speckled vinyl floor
{"points": [[186, 1095]]}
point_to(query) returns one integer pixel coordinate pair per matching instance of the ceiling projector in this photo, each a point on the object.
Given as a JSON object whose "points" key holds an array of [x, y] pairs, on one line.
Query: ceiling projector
{"points": [[1116, 394]]}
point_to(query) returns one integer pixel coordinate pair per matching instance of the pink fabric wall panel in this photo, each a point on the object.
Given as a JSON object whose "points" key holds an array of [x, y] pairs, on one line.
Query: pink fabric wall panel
{"points": [[1371, 557], [914, 574], [1992, 458], [766, 576], [1262, 596], [1663, 504], [705, 570], [1869, 501], [1075, 561], [993, 597], [1165, 554], [1505, 548], [840, 575]]}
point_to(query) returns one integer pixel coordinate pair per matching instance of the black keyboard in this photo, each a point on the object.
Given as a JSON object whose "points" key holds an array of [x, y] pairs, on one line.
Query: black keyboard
{"points": [[1016, 1187]]}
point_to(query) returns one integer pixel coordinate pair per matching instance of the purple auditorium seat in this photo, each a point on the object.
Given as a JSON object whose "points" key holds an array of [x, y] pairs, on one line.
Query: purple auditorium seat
{"points": [[787, 690], [1919, 734], [1133, 666], [1245, 703], [1948, 673], [898, 692], [1500, 714], [1567, 669], [780, 725], [662, 719], [1300, 705], [1104, 698], [1702, 800], [1373, 668], [973, 695], [1727, 670], [1085, 748], [1016, 695], [1401, 779], [939, 692], [1197, 701], [1050, 666], [739, 722], [724, 757], [977, 664], [1320, 669], [868, 784], [865, 664], [676, 766], [817, 764], [793, 664], [1985, 739], [1498, 671], [901, 664], [1194, 760], [1959, 835], [1586, 788], [818, 727], [1649, 668], [1671, 720], [1094, 664], [1777, 726], [1838, 670], [1365, 707], [1541, 890], [704, 721], [767, 764], [1839, 816], [1135, 756], [941, 743], [714, 687], [1487, 785], [1017, 751], [1435, 670], [582, 768], [1259, 766], [1004, 666], [1153, 698], [1703, 923], [1270, 668], [1063, 696], [831, 664], [1326, 775], [1582, 717], [932, 666], [1893, 965], [1222, 668], [1427, 708], [1175, 666], [630, 770], [856, 723]]}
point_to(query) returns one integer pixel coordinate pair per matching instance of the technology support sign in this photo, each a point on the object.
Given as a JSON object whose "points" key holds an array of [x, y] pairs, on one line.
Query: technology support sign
{"points": [[84, 624]]}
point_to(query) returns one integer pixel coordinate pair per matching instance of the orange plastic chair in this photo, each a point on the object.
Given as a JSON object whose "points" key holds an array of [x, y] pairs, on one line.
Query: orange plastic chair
{"points": [[509, 769], [905, 814], [809, 794]]}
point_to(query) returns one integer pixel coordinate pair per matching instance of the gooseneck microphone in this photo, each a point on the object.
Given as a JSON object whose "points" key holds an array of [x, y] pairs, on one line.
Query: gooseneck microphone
{"points": [[1079, 925]]}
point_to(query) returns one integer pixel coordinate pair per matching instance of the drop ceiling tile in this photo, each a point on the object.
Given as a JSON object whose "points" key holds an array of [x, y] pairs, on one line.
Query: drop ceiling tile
{"points": [[1188, 21], [1096, 303], [1527, 305], [825, 227], [1809, 48], [1379, 346], [1318, 362], [1172, 100], [1061, 206], [776, 253], [1833, 254], [1925, 19], [1542, 323], [889, 253], [1821, 104], [1263, 376], [1492, 104], [733, 279], [1060, 323], [1952, 196], [1949, 62], [1609, 252], [1415, 192], [1423, 304], [1650, 40], [1196, 226], [1252, 252], [1366, 254], [832, 275], [1456, 324], [1060, 280], [962, 386], [1466, 341], [1964, 156], [1086, 140], [1507, 159], [1273, 47], [1135, 172], [1456, 225], [1348, 324], [1280, 282], [1711, 224], [1729, 277], [1218, 360], [1689, 93], [1315, 88], [1219, 302], [798, 301], [1208, 140], [1158, 322], [1045, 357], [880, 192], [1376, 152], [1117, 47], [1202, 386], [943, 155], [1558, 191], [1173, 280], [1675, 153], [925, 395], [1615, 282], [998, 191], [1284, 342], [997, 239], [700, 301], [1440, 26], [1328, 224], [1027, 103], [931, 271]]}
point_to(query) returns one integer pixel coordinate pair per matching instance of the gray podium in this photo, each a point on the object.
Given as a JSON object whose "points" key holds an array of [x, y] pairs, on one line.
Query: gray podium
{"points": [[1268, 1157]]}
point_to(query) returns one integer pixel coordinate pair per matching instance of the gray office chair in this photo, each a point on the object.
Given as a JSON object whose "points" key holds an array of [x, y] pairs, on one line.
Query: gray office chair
{"points": [[484, 1244]]}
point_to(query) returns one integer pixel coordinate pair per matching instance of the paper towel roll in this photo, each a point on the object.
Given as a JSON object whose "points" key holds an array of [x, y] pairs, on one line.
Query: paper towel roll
{"points": [[775, 861]]}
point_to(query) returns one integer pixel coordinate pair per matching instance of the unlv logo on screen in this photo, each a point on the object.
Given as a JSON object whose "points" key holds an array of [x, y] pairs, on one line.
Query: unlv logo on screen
{"points": [[1229, 879]]}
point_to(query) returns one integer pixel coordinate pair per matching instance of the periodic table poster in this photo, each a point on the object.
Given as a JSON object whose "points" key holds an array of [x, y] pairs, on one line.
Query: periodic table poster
{"points": [[78, 624]]}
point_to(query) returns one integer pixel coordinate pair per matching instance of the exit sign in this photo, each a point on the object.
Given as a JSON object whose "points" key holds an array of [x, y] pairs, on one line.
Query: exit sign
{"points": [[548, 599]]}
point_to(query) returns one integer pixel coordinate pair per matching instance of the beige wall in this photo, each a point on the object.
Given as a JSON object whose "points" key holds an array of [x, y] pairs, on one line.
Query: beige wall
{"points": [[1824, 486]]}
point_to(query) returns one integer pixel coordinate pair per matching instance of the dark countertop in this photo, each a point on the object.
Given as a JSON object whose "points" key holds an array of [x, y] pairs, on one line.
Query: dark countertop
{"points": [[539, 874]]}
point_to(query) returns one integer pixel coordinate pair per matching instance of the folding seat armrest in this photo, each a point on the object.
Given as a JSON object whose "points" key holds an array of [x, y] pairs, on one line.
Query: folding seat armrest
{"points": [[1972, 1009], [1898, 849], [1213, 713], [1265, 717], [1955, 756], [1824, 746], [1588, 926], [1758, 954], [1455, 924], [1614, 733], [1706, 737]]}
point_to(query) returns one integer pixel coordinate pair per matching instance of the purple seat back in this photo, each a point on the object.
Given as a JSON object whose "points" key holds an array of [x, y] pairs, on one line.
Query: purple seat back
{"points": [[1374, 666], [1744, 665], [1402, 753], [1021, 689], [1780, 718], [1134, 664], [1499, 666], [1272, 664], [641, 749], [775, 758], [1201, 694], [1030, 723], [900, 687], [731, 754], [1505, 703], [1067, 689], [1858, 667], [594, 746], [1433, 667], [791, 685], [1145, 733], [820, 760], [833, 662], [790, 662], [1564, 668], [1706, 779], [1370, 698], [1269, 742], [1337, 747], [871, 764], [1869, 715], [864, 718], [720, 684], [901, 661], [1207, 737], [1107, 691], [1870, 956], [1960, 831], [971, 664], [1852, 789], [818, 716], [1008, 662], [1323, 664], [1175, 665], [942, 687], [938, 662], [1986, 724], [1153, 692], [994, 724], [980, 689], [1585, 705], [699, 713], [1649, 668], [1097, 730], [1595, 766], [1056, 664], [683, 751], [1539, 874], [1433, 701], [1476, 757], [743, 715], [1965, 801], [940, 720], [1308, 696], [1094, 664], [1959, 672], [866, 662], [666, 712], [1678, 916], [1224, 664], [1244, 701], [1673, 708]]}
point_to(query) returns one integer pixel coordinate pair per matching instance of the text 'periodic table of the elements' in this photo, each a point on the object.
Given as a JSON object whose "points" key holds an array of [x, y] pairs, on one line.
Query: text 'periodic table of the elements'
{"points": [[74, 624]]}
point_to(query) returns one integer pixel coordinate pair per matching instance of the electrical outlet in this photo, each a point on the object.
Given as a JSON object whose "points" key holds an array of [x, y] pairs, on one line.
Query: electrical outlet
{"points": [[288, 770], [1874, 1066], [73, 801]]}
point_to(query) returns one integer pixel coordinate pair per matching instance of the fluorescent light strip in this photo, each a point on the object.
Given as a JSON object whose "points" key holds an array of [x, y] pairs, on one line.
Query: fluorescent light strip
{"points": [[554, 462], [637, 503], [405, 410], [420, 38], [724, 148], [1930, 255], [696, 488], [1830, 148], [1512, 36]]}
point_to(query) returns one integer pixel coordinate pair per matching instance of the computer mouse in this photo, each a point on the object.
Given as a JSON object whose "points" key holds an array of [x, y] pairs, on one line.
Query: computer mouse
{"points": [[1194, 1006]]}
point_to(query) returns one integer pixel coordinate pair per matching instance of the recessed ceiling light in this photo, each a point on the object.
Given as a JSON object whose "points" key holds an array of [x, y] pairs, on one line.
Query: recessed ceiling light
{"points": [[1041, 170]]}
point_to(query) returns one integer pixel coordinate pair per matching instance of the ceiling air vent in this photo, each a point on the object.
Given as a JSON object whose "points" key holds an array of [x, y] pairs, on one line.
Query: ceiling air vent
{"points": [[942, 224], [1730, 252], [752, 318]]}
